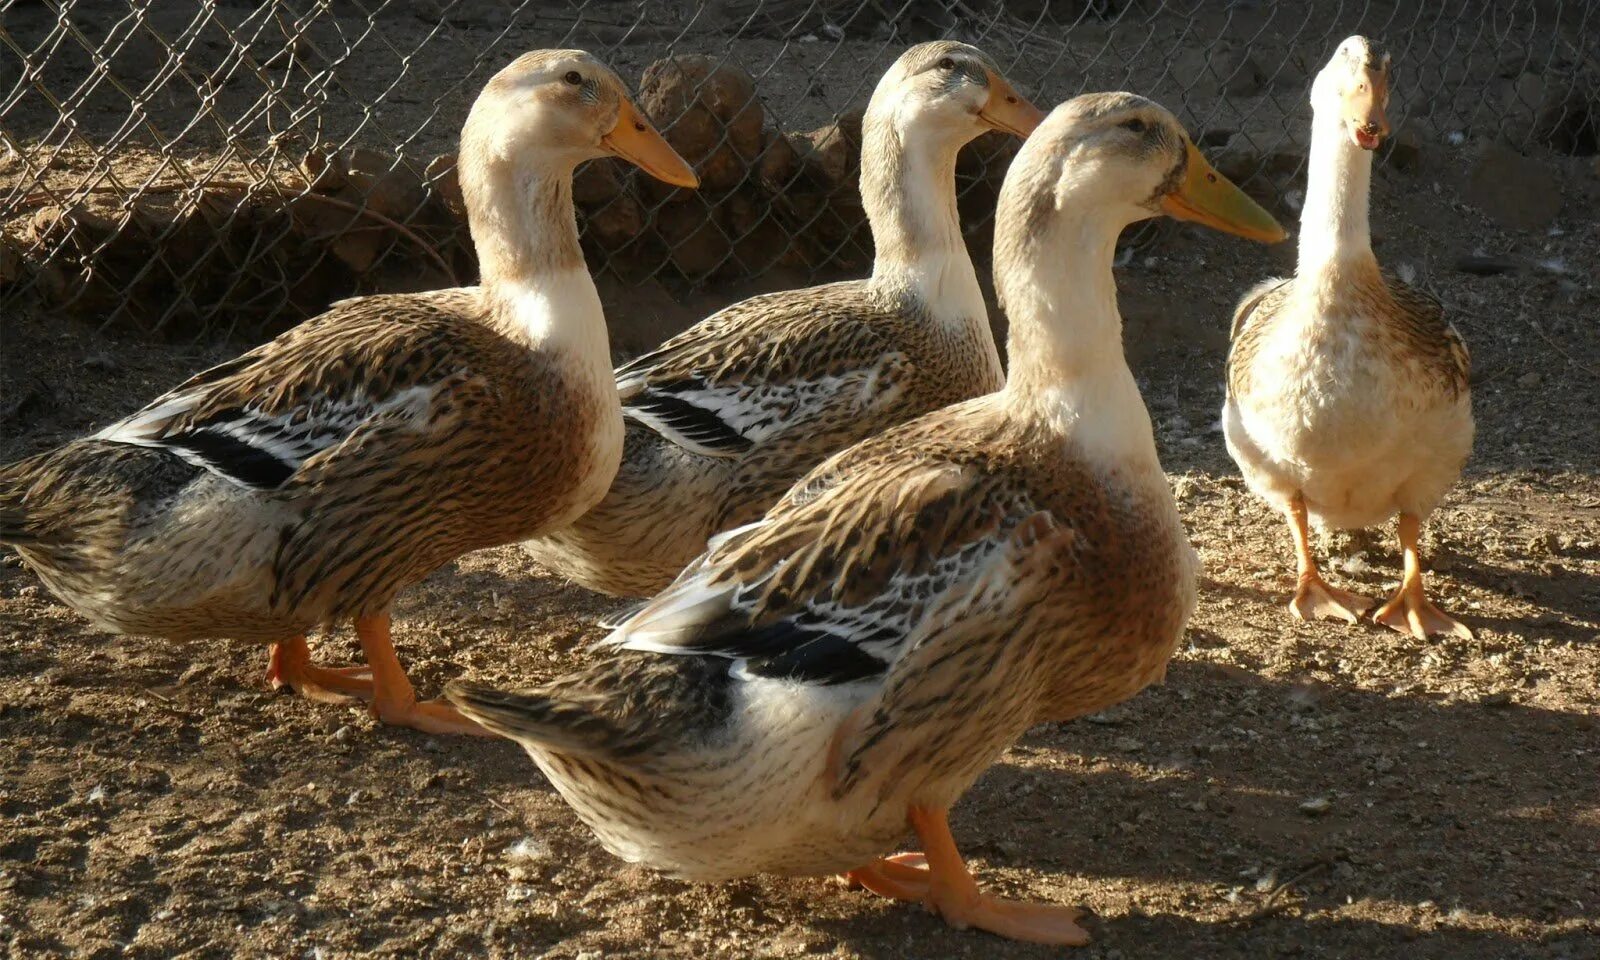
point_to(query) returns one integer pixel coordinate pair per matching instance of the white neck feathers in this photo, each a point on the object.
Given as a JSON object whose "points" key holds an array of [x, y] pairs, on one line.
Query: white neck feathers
{"points": [[1334, 232], [1065, 346], [908, 189]]}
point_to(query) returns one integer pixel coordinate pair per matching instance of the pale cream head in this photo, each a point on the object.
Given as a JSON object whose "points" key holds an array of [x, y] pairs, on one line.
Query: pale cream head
{"points": [[950, 89], [1353, 90], [557, 108], [1119, 158]]}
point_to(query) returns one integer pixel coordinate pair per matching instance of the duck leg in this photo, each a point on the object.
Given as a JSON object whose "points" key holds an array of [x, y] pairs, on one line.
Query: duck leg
{"points": [[289, 665], [1314, 597], [1410, 610], [394, 700], [947, 888]]}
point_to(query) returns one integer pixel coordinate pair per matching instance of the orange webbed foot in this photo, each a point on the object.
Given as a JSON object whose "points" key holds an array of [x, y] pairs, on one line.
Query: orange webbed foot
{"points": [[1030, 922], [903, 876], [1410, 611], [289, 665], [429, 716], [947, 888], [1315, 598]]}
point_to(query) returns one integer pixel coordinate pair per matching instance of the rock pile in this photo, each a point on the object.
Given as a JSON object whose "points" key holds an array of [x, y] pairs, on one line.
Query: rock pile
{"points": [[266, 255]]}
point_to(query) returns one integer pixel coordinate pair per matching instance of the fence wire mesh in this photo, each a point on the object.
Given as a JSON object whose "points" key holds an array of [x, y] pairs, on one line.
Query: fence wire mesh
{"points": [[203, 168]]}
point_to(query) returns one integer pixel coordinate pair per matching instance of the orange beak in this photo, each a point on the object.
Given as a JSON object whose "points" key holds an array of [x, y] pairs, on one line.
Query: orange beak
{"points": [[636, 141], [1009, 110], [1207, 197]]}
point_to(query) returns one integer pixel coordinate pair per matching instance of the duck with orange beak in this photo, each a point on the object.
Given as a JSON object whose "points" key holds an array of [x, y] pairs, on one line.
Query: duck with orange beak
{"points": [[725, 416], [1348, 391], [836, 674], [309, 481]]}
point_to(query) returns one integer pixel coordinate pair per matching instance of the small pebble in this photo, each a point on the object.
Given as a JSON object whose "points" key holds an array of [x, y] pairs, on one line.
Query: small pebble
{"points": [[1316, 806]]}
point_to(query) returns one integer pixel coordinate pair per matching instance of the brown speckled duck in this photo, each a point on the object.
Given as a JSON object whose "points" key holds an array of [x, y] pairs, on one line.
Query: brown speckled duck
{"points": [[846, 666], [1348, 396], [724, 417], [313, 478]]}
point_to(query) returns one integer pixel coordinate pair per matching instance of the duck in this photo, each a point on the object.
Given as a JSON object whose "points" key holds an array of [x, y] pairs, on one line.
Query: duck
{"points": [[308, 481], [727, 415], [843, 668], [1348, 395]]}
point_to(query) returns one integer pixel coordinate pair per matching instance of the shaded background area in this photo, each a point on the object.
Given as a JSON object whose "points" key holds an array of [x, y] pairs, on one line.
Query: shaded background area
{"points": [[201, 169], [1293, 790]]}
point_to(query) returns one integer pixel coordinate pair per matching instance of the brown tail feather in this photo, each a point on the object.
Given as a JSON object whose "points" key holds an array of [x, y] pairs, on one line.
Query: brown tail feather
{"points": [[535, 718]]}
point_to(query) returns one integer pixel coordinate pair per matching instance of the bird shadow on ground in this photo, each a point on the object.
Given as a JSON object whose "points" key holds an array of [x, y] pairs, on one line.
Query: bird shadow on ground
{"points": [[1230, 785]]}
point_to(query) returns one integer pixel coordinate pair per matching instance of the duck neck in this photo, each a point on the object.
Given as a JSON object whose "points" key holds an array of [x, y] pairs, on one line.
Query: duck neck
{"points": [[908, 188], [1335, 237], [1067, 367], [538, 290], [1064, 324]]}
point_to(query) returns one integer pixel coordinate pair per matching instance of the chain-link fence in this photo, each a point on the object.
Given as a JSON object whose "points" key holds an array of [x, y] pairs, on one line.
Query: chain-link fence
{"points": [[200, 167]]}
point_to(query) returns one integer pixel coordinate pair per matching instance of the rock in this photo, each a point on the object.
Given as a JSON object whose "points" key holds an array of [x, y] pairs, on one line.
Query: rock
{"points": [[1238, 73], [1554, 111], [780, 160], [598, 182], [443, 180], [710, 114], [1316, 806], [834, 149], [324, 169], [615, 223], [1518, 192], [388, 186], [695, 243]]}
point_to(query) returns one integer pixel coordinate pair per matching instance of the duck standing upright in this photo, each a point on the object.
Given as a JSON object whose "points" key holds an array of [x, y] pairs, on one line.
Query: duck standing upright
{"points": [[725, 416], [850, 663], [313, 478], [1348, 396]]}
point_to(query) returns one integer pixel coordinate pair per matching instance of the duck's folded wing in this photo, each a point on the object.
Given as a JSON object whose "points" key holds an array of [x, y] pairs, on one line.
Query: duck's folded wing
{"points": [[1259, 302], [258, 419], [832, 585], [1433, 340], [763, 366]]}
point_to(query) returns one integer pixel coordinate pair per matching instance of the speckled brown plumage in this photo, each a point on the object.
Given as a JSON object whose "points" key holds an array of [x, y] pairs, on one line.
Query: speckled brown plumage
{"points": [[1057, 593], [854, 659], [726, 415], [1409, 329], [397, 496], [831, 367], [311, 479]]}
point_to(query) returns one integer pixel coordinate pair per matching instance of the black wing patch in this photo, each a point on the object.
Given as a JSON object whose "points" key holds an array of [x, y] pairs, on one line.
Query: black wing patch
{"points": [[697, 427], [233, 458]]}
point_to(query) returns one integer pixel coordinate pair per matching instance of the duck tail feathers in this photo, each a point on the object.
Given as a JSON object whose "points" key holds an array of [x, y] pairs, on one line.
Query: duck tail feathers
{"points": [[535, 718]]}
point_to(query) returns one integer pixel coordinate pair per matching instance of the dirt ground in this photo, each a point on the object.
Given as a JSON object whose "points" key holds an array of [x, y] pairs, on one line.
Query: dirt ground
{"points": [[1292, 790]]}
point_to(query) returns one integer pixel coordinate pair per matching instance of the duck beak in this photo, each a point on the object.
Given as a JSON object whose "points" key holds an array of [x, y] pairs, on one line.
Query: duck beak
{"points": [[1009, 110], [1206, 196], [1368, 122], [636, 141]]}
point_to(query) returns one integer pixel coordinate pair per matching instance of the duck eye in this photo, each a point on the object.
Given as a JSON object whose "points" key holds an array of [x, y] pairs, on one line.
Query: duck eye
{"points": [[1136, 125], [574, 77], [947, 64]]}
